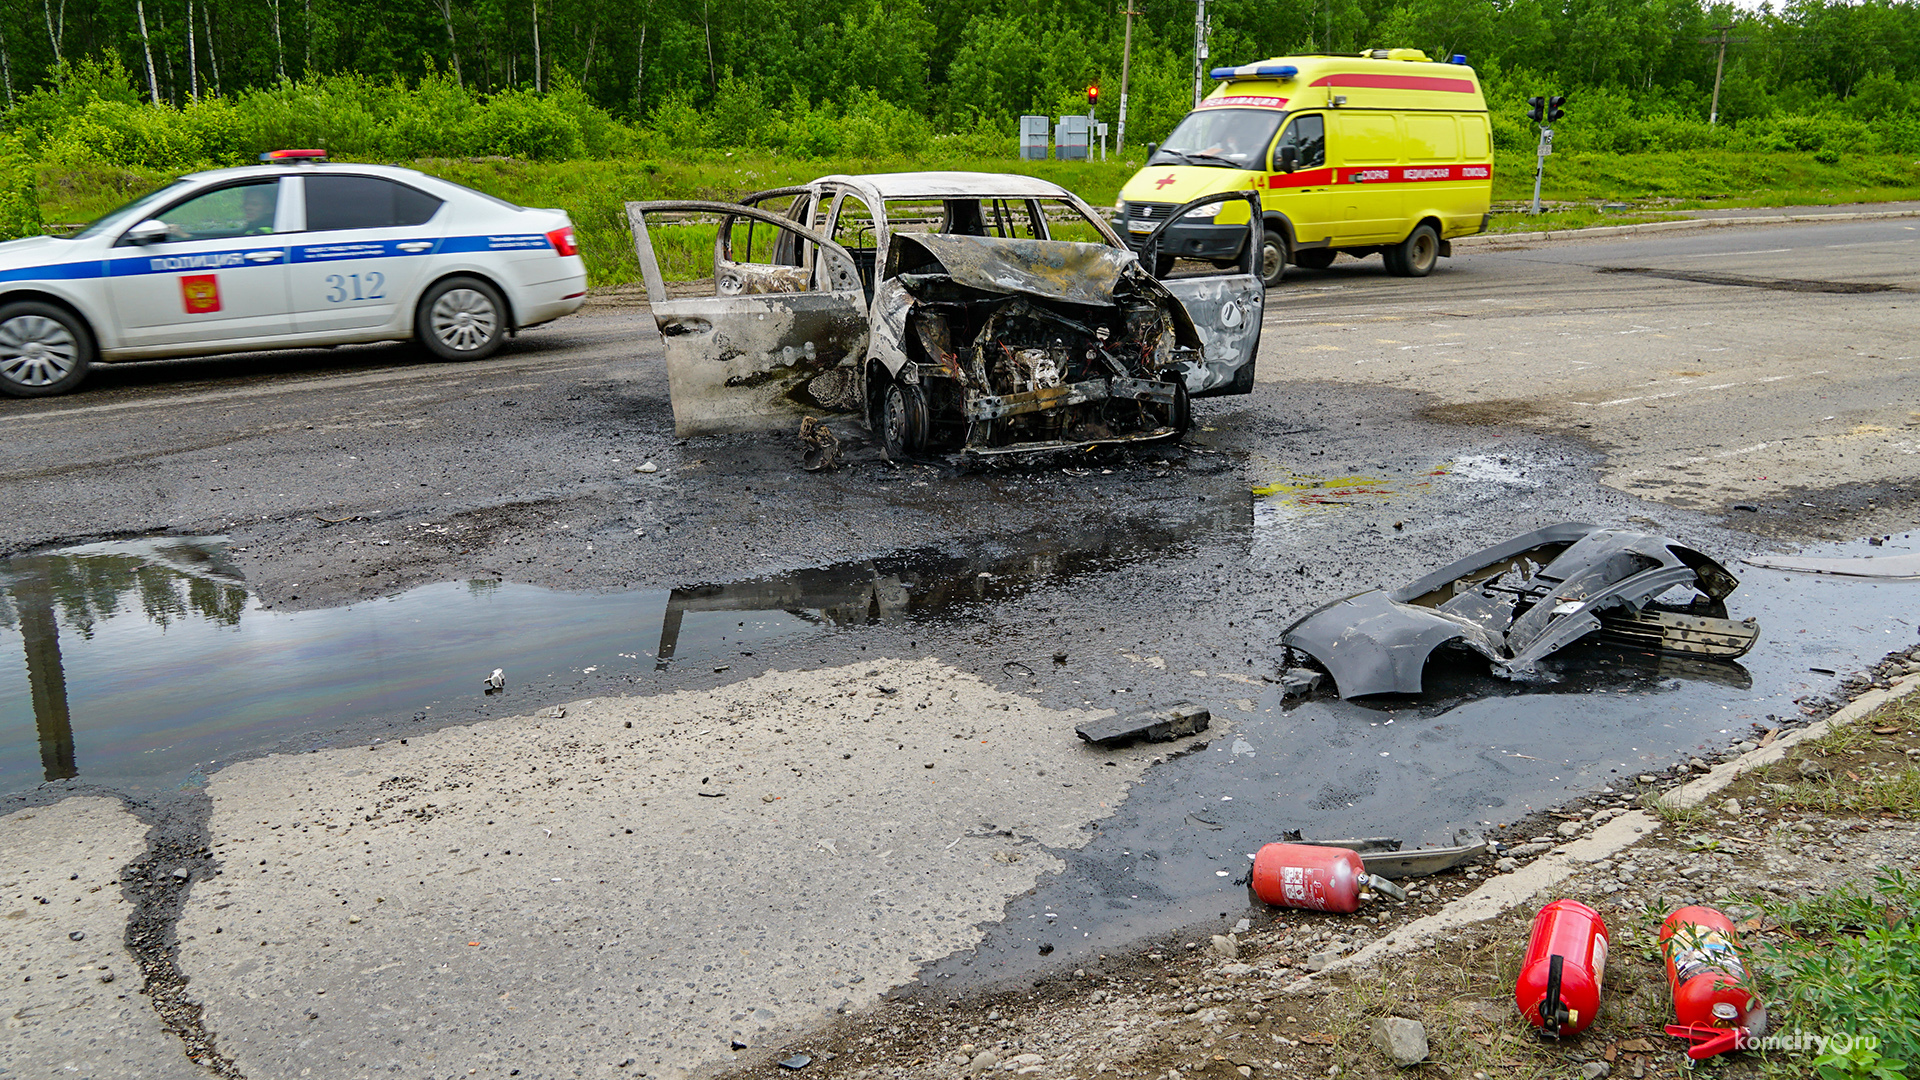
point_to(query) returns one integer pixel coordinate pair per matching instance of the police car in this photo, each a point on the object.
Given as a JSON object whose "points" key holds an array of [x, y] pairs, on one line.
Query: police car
{"points": [[277, 256]]}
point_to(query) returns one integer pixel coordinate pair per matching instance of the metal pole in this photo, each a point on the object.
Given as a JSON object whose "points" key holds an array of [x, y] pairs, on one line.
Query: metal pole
{"points": [[1713, 114], [1126, 63], [1540, 164], [1199, 47]]}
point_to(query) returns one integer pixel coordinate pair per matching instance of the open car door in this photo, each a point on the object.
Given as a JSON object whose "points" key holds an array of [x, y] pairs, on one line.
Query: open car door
{"points": [[780, 341], [1226, 308]]}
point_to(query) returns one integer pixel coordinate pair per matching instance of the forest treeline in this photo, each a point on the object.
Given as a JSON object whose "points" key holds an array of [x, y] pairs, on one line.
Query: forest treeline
{"points": [[560, 79]]}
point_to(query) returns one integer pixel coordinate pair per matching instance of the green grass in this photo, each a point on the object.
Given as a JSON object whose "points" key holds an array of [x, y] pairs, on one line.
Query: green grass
{"points": [[1848, 963], [1655, 187]]}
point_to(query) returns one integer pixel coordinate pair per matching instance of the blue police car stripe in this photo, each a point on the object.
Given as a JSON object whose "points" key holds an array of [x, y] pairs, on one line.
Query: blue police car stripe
{"points": [[196, 262], [74, 271], [236, 259], [496, 242]]}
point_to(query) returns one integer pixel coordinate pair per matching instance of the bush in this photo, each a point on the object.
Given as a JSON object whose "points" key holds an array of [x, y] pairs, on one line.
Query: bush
{"points": [[19, 192]]}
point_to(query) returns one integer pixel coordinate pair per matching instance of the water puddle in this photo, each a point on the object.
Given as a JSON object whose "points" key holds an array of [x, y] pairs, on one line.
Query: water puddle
{"points": [[147, 663]]}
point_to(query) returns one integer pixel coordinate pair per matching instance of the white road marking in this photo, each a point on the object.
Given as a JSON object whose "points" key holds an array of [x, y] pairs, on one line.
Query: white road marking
{"points": [[1689, 390], [1731, 254], [1872, 243]]}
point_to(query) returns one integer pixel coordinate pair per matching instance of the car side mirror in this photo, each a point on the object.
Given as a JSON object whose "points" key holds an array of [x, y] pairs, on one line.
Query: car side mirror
{"points": [[151, 231], [1289, 158]]}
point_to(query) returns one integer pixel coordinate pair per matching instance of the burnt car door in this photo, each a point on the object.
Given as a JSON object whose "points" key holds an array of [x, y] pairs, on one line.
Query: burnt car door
{"points": [[767, 258], [1226, 308], [760, 357]]}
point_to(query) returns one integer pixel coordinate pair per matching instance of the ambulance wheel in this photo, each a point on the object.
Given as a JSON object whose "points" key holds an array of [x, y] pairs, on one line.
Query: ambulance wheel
{"points": [[1315, 258], [1275, 253], [44, 350], [903, 420], [461, 318], [1415, 256]]}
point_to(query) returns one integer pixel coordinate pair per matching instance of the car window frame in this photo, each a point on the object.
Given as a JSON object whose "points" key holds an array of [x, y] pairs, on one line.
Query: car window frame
{"points": [[279, 209], [304, 227]]}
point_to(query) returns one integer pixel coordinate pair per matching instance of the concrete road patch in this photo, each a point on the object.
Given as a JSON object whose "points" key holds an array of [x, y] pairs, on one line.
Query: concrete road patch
{"points": [[643, 881], [74, 1007]]}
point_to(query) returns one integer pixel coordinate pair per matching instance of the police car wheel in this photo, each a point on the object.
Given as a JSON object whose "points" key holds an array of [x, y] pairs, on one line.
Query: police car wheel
{"points": [[1415, 256], [1274, 256], [43, 350], [461, 318]]}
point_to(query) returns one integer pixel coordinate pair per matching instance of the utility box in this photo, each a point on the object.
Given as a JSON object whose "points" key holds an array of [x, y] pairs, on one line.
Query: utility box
{"points": [[1070, 138], [1033, 138]]}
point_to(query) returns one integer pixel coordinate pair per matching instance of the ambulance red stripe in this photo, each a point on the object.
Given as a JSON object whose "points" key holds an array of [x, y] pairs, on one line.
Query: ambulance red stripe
{"points": [[1386, 174]]}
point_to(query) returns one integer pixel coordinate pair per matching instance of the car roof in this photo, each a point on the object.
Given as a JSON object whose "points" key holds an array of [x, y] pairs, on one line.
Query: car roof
{"points": [[933, 185], [243, 171]]}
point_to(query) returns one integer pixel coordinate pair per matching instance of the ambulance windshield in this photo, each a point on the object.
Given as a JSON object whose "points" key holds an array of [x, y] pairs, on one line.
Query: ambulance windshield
{"points": [[1223, 138]]}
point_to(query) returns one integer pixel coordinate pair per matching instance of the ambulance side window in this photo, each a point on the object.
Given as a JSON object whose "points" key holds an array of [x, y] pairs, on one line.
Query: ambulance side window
{"points": [[1308, 133]]}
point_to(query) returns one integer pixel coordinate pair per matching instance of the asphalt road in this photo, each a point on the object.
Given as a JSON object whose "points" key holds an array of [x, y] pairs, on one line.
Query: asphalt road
{"points": [[1773, 366], [1663, 381]]}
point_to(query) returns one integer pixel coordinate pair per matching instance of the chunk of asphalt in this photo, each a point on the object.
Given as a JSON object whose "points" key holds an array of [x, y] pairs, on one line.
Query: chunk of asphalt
{"points": [[1174, 721]]}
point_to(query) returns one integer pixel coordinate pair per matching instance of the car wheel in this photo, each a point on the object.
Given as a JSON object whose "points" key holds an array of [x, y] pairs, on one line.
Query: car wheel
{"points": [[44, 350], [1275, 253], [1180, 413], [1415, 256], [461, 318], [1162, 265], [1315, 258], [903, 420]]}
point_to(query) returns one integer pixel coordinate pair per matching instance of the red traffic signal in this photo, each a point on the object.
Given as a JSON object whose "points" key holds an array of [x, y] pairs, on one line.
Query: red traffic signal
{"points": [[1093, 94], [1555, 109]]}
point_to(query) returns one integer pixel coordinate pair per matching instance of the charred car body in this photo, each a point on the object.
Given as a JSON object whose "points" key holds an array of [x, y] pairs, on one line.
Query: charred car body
{"points": [[1521, 600], [947, 311]]}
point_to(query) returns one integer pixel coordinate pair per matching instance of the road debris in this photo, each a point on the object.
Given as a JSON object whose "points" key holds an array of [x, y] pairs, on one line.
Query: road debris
{"points": [[1524, 599], [820, 449], [1892, 568], [1381, 855], [1156, 725]]}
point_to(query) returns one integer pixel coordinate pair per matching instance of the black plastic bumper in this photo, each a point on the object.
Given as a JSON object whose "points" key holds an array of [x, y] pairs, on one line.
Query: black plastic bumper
{"points": [[1193, 241]]}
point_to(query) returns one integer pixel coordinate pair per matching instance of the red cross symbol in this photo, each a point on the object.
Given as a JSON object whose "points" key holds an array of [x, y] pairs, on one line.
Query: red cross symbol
{"points": [[1165, 180]]}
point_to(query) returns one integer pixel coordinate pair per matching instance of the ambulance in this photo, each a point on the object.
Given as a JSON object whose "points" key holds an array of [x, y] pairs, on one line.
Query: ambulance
{"points": [[1386, 152]]}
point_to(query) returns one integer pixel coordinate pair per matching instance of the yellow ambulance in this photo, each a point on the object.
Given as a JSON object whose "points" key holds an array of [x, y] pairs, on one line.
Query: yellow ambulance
{"points": [[1383, 152]]}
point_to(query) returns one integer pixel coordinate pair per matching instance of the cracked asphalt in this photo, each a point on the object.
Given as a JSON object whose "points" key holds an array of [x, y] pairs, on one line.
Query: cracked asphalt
{"points": [[1671, 382]]}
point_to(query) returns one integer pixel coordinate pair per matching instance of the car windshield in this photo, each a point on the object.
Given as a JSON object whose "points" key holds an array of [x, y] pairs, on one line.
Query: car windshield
{"points": [[1223, 138], [132, 212]]}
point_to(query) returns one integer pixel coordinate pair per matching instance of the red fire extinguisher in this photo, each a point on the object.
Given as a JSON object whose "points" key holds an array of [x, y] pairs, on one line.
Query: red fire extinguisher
{"points": [[1559, 986], [1715, 1012], [1309, 876]]}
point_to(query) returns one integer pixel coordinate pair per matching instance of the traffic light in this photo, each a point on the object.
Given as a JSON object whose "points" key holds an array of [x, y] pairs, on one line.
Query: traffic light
{"points": [[1554, 110], [1535, 105], [1093, 95]]}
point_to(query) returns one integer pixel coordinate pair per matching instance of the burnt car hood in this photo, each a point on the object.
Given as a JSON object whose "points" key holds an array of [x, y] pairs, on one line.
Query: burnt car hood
{"points": [[1049, 269], [1524, 599]]}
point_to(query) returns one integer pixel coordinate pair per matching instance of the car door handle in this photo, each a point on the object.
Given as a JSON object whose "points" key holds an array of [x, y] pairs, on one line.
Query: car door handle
{"points": [[414, 247], [264, 256]]}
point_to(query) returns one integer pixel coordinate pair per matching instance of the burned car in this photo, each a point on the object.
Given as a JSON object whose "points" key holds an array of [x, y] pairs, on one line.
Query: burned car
{"points": [[1519, 601], [986, 314]]}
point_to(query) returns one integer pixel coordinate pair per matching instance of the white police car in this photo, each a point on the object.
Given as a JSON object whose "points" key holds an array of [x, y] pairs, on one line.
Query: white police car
{"points": [[268, 256]]}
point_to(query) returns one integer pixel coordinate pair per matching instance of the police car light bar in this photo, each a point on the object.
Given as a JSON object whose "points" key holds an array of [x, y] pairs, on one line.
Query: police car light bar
{"points": [[294, 157], [1278, 72]]}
